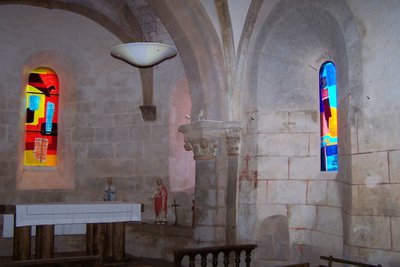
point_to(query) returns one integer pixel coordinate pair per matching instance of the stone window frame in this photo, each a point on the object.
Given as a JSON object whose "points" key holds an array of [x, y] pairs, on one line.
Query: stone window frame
{"points": [[45, 178], [56, 111]]}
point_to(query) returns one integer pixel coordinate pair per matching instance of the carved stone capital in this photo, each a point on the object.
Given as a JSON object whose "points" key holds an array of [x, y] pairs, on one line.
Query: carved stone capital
{"points": [[202, 137], [232, 145], [202, 149], [232, 138]]}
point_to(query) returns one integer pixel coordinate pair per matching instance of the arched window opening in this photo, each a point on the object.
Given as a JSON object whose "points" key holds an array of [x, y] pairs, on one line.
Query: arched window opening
{"points": [[328, 117], [42, 92]]}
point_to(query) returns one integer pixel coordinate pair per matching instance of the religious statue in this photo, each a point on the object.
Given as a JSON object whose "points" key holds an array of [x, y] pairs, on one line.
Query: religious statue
{"points": [[160, 197], [109, 191]]}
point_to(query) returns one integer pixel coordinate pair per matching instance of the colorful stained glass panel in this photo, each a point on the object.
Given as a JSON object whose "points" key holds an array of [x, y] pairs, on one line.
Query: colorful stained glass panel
{"points": [[328, 117], [42, 92]]}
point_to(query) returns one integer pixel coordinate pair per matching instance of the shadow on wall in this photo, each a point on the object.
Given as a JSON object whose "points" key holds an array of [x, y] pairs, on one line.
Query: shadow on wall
{"points": [[273, 239], [274, 244]]}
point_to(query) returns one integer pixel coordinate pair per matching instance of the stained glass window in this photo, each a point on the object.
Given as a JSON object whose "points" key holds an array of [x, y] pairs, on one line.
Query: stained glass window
{"points": [[42, 92], [328, 117]]}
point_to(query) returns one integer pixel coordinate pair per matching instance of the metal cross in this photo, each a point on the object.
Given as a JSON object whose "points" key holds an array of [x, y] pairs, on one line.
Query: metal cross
{"points": [[175, 205]]}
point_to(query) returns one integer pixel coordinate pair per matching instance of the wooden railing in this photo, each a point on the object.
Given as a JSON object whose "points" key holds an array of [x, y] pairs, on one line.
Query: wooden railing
{"points": [[215, 252], [331, 260]]}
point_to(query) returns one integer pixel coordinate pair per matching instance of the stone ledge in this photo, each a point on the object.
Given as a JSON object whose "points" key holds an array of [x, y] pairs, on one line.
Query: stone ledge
{"points": [[160, 229]]}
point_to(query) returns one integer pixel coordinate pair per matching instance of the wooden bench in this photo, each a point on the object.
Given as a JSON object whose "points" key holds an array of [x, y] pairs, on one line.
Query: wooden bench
{"points": [[76, 261], [332, 260]]}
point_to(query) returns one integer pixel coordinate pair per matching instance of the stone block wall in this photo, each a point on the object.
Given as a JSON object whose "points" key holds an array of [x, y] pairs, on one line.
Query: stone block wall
{"points": [[290, 185], [157, 241], [372, 211], [372, 197], [102, 132], [357, 208]]}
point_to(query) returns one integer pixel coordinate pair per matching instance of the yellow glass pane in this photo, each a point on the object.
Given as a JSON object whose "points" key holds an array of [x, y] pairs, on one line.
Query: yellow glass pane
{"points": [[30, 160]]}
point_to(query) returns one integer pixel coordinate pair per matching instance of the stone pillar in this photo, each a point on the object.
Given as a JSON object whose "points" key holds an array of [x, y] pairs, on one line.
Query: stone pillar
{"points": [[202, 137], [232, 139], [215, 201]]}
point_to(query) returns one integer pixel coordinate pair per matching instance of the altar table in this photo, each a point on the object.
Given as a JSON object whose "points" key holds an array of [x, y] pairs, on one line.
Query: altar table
{"points": [[105, 226]]}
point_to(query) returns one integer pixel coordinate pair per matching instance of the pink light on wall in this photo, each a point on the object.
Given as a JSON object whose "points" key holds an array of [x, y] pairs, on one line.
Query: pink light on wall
{"points": [[181, 162]]}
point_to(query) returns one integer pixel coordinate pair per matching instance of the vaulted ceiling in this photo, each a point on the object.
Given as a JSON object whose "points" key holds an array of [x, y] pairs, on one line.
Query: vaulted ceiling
{"points": [[188, 26]]}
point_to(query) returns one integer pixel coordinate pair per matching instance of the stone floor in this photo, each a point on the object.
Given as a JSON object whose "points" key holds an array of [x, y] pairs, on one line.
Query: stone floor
{"points": [[141, 262], [129, 262]]}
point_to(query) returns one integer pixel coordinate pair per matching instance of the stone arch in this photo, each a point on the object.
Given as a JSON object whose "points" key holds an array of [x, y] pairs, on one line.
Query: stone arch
{"points": [[308, 43], [344, 27], [200, 52], [84, 8], [195, 39], [194, 36], [239, 94], [289, 43]]}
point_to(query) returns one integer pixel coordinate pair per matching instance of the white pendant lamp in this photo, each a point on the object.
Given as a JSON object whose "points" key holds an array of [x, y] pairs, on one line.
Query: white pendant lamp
{"points": [[143, 54]]}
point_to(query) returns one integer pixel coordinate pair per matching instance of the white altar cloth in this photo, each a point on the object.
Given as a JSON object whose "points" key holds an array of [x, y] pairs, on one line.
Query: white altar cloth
{"points": [[60, 213], [71, 218], [59, 229]]}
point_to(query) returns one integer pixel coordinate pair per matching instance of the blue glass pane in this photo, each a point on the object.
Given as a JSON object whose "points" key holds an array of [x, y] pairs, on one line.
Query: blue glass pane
{"points": [[49, 116], [328, 110], [34, 102]]}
